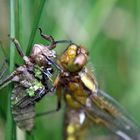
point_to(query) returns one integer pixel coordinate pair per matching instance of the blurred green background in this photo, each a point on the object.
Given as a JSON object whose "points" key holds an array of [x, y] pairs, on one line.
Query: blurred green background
{"points": [[109, 29]]}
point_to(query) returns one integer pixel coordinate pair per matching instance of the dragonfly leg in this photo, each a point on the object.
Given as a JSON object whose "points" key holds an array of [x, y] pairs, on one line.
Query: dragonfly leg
{"points": [[59, 96], [3, 68], [49, 112], [59, 90], [51, 39], [7, 80], [2, 49], [18, 47], [19, 50], [6, 62], [48, 38]]}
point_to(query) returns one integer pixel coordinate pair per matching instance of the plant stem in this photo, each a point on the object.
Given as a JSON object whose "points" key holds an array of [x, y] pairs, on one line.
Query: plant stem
{"points": [[19, 133], [19, 17], [35, 25], [9, 125]]}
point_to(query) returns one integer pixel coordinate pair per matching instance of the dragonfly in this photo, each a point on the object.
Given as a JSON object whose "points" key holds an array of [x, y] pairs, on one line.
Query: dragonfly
{"points": [[85, 101]]}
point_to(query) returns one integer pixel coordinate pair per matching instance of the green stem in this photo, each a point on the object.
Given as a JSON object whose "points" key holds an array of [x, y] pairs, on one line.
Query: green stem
{"points": [[35, 25], [19, 133], [19, 20], [10, 125]]}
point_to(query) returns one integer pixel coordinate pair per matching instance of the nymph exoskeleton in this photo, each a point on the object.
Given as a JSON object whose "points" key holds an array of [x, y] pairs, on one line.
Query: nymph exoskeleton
{"points": [[32, 81]]}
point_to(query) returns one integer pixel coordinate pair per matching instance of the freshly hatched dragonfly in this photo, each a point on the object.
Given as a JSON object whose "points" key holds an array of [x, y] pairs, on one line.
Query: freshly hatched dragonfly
{"points": [[32, 81], [84, 100]]}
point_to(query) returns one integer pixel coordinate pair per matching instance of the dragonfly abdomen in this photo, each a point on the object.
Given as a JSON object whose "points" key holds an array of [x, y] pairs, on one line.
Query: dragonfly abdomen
{"points": [[75, 125]]}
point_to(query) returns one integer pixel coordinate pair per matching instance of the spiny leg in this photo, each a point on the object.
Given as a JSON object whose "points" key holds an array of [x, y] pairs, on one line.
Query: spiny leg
{"points": [[51, 39], [59, 95], [7, 80], [58, 107], [49, 112], [4, 53], [18, 47], [19, 50], [48, 38], [63, 41], [2, 49], [46, 113], [3, 68]]}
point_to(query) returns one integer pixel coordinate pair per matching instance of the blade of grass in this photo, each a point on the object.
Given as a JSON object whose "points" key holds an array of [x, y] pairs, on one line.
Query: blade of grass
{"points": [[35, 25], [19, 133], [19, 20], [9, 124]]}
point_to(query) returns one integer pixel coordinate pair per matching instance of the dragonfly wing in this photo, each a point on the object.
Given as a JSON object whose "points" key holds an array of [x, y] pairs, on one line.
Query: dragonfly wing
{"points": [[103, 109]]}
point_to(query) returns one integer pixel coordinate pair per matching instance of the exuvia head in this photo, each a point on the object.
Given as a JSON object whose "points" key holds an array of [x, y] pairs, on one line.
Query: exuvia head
{"points": [[39, 52]]}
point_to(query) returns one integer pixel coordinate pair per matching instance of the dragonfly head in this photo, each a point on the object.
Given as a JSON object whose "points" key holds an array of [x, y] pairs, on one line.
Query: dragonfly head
{"points": [[74, 58]]}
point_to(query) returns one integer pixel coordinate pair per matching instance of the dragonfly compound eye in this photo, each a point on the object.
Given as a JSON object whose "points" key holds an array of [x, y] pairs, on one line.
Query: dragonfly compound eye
{"points": [[74, 58]]}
